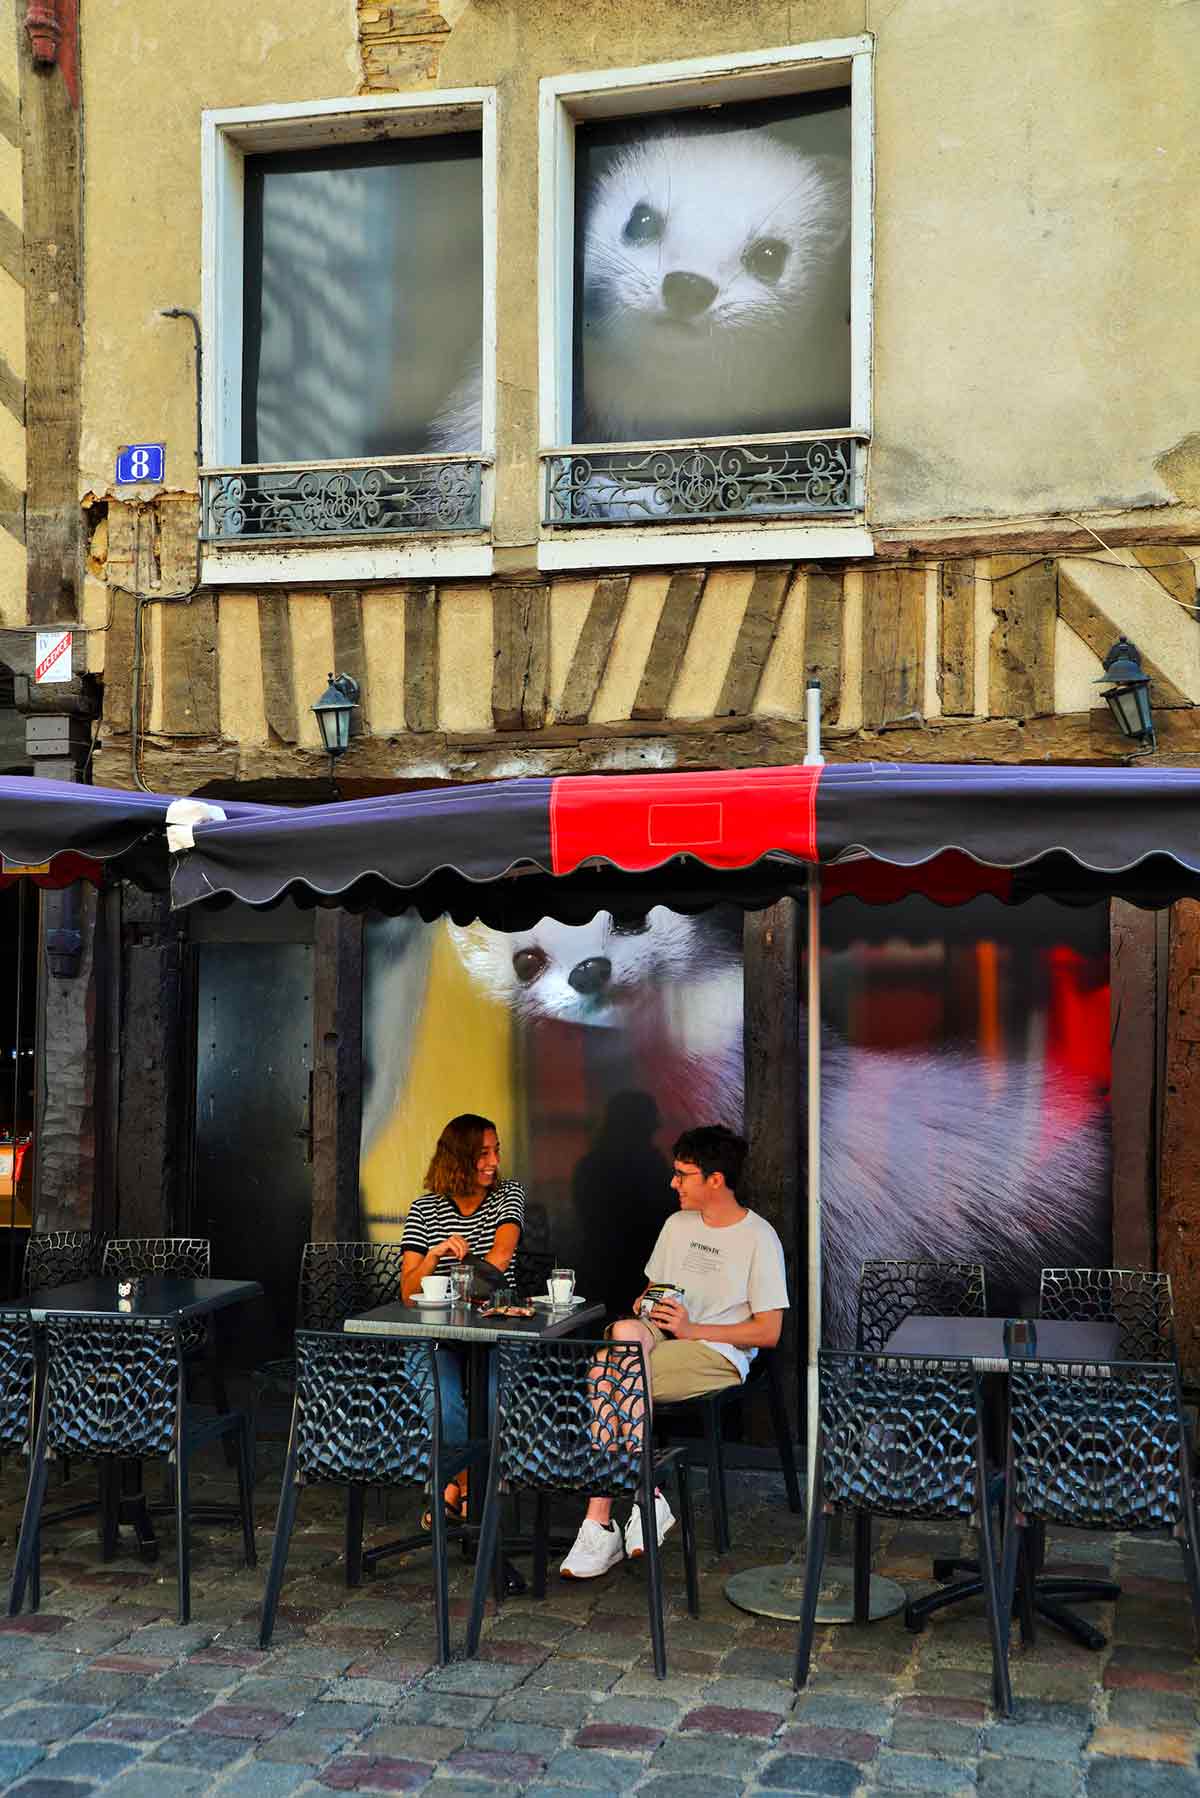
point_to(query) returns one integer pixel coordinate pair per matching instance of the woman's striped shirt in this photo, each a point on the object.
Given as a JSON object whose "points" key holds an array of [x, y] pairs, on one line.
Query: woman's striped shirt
{"points": [[434, 1217]]}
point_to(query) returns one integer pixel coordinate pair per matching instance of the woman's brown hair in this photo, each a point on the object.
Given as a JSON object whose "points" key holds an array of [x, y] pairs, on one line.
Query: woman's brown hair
{"points": [[452, 1171]]}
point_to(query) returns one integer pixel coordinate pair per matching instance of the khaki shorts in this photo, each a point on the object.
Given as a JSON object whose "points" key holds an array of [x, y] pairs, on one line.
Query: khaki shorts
{"points": [[686, 1369]]}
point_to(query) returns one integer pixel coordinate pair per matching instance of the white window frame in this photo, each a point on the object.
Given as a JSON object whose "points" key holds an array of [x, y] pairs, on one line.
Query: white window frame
{"points": [[565, 101], [227, 136]]}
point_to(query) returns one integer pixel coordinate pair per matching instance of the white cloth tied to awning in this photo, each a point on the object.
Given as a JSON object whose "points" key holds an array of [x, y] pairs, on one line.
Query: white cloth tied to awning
{"points": [[183, 815]]}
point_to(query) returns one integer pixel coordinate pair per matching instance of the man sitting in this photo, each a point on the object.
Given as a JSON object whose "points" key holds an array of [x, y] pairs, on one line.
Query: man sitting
{"points": [[728, 1264]]}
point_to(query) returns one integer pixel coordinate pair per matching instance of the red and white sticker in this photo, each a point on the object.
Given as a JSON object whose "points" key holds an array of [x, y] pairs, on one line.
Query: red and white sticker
{"points": [[53, 657]]}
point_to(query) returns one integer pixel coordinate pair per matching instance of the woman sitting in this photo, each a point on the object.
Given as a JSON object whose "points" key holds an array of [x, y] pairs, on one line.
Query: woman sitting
{"points": [[467, 1210]]}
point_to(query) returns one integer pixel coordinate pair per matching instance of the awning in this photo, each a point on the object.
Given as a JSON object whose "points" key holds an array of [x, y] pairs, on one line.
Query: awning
{"points": [[511, 852]]}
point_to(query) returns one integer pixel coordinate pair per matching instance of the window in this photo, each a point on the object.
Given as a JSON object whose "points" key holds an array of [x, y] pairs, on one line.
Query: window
{"points": [[706, 296], [349, 300]]}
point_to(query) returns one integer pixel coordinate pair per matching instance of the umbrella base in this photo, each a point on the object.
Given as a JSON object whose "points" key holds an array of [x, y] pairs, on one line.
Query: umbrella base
{"points": [[779, 1591]]}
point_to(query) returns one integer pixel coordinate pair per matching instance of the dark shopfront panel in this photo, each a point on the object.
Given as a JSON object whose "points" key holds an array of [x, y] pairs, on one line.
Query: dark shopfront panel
{"points": [[19, 917]]}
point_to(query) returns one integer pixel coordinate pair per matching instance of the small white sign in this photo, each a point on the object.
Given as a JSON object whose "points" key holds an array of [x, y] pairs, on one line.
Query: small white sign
{"points": [[53, 657]]}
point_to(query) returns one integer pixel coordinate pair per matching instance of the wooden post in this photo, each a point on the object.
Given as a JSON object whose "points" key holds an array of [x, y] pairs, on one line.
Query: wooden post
{"points": [[1133, 961], [337, 1074], [1179, 1166]]}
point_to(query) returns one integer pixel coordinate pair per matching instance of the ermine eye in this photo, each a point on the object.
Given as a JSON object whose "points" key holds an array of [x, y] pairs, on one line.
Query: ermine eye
{"points": [[528, 964], [643, 225], [765, 258], [631, 926]]}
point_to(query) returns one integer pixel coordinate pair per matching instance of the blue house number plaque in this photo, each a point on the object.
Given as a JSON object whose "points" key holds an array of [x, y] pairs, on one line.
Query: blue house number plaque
{"points": [[140, 462]]}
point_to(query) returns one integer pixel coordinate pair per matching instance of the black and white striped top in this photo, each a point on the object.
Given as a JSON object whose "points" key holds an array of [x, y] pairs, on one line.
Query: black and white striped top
{"points": [[434, 1217]]}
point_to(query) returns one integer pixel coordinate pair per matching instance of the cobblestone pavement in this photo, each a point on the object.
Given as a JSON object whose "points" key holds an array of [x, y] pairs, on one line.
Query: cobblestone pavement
{"points": [[103, 1691]]}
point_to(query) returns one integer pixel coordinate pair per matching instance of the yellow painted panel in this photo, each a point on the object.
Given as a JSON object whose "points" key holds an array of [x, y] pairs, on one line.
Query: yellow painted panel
{"points": [[383, 642], [706, 659], [12, 448], [10, 180], [465, 658], [95, 616], [12, 324], [152, 649], [781, 690], [631, 647], [243, 711], [12, 580], [569, 602], [311, 617], [1075, 670], [461, 1060]]}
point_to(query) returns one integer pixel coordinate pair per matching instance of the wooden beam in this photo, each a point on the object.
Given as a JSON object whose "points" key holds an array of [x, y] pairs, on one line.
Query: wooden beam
{"points": [[12, 391], [337, 1073], [278, 674], [520, 654], [956, 637], [1133, 961], [12, 509], [893, 645], [980, 537], [1172, 568], [12, 249], [190, 700], [1024, 602], [350, 651], [1082, 615], [756, 634], [1179, 1165], [421, 658], [118, 672], [823, 601], [671, 636], [593, 649]]}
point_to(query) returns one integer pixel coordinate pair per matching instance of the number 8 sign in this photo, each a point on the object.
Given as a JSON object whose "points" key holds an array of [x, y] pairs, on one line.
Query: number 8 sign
{"points": [[140, 462]]}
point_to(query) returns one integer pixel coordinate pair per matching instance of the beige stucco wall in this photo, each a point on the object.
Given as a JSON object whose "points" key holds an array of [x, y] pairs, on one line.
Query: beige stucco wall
{"points": [[1036, 350]]}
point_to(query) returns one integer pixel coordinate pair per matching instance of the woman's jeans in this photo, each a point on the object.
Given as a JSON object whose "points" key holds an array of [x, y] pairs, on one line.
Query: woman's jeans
{"points": [[456, 1433]]}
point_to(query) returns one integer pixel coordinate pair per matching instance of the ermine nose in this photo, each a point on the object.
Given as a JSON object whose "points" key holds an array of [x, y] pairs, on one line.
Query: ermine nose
{"points": [[591, 975], [687, 295]]}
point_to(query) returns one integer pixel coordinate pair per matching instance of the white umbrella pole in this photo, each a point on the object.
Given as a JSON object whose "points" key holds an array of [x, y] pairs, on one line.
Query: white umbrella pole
{"points": [[778, 1591]]}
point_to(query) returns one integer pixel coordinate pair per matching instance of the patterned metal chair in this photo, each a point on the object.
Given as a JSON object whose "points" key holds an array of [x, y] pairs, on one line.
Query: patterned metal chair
{"points": [[17, 1384], [900, 1438], [764, 1376], [1094, 1447], [1137, 1301], [188, 1256], [366, 1413], [114, 1390], [890, 1291], [59, 1257], [571, 1418]]}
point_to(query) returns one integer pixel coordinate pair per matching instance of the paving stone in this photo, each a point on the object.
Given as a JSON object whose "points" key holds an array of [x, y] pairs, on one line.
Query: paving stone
{"points": [[960, 1710], [749, 1694], [831, 1744], [331, 1713], [261, 1780], [1032, 1741], [1001, 1777], [691, 1785], [41, 1785], [1049, 1715], [496, 1765], [1144, 1744], [1149, 1679], [147, 1665], [299, 1746], [242, 1721], [656, 1713], [46, 1722], [832, 1712], [921, 1773], [577, 1676], [188, 1749], [417, 1742], [356, 1773], [759, 1663], [15, 1761], [706, 1754], [1113, 1777], [34, 1623], [289, 1695], [803, 1773], [594, 1771], [97, 1761], [625, 1738], [163, 1699], [443, 1709], [476, 1679], [121, 1728], [511, 1738], [99, 1689], [566, 1709], [725, 1720], [937, 1735], [1141, 1710], [173, 1639], [146, 1781]]}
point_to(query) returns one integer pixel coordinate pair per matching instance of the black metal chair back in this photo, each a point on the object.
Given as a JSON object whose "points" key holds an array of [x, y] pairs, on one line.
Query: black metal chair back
{"points": [[338, 1279], [890, 1291], [17, 1365], [58, 1257], [901, 1437], [188, 1256], [1137, 1301], [366, 1413], [572, 1417]]}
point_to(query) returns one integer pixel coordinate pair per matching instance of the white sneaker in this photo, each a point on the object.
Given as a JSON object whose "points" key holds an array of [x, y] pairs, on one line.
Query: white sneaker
{"points": [[664, 1518], [594, 1550]]}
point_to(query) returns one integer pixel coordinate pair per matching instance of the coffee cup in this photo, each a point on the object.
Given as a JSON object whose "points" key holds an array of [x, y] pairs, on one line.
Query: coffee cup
{"points": [[435, 1286]]}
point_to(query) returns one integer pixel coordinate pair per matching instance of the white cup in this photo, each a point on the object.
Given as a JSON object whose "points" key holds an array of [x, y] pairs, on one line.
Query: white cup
{"points": [[561, 1285], [435, 1286]]}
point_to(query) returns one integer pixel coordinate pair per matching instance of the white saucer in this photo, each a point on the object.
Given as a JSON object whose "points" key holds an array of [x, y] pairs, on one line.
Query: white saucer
{"points": [[548, 1304], [420, 1298]]}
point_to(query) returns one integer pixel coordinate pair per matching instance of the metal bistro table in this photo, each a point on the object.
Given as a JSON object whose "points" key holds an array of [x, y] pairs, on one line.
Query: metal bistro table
{"points": [[168, 1298], [463, 1323], [982, 1340]]}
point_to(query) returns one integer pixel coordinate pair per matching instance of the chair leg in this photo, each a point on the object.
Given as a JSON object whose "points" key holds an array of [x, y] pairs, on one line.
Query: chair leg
{"points": [[1001, 1685], [716, 1483], [183, 1546], [541, 1542], [28, 1542], [246, 1491], [658, 1634], [814, 1563], [285, 1519], [441, 1590], [783, 1434], [356, 1497], [1010, 1557], [687, 1533], [485, 1558], [862, 1567]]}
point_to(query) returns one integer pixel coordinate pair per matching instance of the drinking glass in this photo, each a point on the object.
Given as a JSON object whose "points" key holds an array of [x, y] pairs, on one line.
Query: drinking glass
{"points": [[561, 1285], [460, 1285]]}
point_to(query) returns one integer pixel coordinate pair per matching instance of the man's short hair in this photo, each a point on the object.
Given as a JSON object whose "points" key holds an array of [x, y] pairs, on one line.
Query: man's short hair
{"points": [[714, 1150]]}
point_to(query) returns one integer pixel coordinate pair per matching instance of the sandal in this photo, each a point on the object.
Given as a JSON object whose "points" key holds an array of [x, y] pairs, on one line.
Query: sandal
{"points": [[455, 1507]]}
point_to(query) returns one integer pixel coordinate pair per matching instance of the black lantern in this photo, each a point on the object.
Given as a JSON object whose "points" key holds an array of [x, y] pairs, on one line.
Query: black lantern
{"points": [[333, 711], [1127, 692]]}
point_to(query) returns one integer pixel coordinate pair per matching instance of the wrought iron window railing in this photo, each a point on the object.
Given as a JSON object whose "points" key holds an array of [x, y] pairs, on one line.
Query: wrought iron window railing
{"points": [[815, 476], [396, 497]]}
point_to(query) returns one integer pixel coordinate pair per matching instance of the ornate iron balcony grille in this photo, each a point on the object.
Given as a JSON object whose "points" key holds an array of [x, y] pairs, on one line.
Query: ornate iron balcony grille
{"points": [[342, 499], [766, 477]]}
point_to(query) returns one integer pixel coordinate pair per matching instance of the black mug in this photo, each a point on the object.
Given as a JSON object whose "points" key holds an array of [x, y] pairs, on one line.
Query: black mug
{"points": [[1020, 1336]]}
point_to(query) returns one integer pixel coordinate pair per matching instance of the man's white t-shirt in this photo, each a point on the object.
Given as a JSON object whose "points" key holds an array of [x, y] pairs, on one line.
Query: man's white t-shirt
{"points": [[726, 1276]]}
